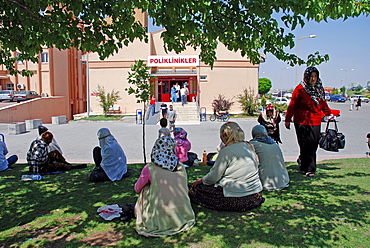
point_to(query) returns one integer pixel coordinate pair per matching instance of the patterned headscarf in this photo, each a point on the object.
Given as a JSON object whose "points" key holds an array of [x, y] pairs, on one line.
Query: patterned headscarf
{"points": [[180, 135], [316, 91], [231, 133], [259, 133], [163, 153]]}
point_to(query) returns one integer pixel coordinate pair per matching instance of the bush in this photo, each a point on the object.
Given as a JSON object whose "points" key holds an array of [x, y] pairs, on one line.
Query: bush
{"points": [[280, 107], [263, 101], [221, 104], [248, 101], [107, 100]]}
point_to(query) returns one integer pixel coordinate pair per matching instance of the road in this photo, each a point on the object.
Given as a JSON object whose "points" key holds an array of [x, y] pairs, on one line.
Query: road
{"points": [[77, 139]]}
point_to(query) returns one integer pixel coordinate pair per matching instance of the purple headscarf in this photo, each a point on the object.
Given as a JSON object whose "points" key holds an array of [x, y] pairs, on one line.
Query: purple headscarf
{"points": [[180, 135]]}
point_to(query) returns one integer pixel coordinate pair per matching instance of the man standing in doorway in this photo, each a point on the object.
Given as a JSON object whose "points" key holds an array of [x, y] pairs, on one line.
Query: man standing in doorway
{"points": [[172, 117], [173, 94], [177, 86]]}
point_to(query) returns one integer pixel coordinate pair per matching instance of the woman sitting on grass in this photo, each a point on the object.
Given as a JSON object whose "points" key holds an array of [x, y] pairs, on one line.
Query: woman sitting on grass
{"points": [[271, 168], [233, 183], [163, 207], [183, 147], [109, 158]]}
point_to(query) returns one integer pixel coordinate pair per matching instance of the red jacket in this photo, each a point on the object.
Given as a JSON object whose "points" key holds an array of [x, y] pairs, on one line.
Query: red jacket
{"points": [[304, 110]]}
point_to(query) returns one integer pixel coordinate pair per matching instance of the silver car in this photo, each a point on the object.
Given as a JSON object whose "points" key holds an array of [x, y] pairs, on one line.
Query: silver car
{"points": [[25, 95], [7, 95]]}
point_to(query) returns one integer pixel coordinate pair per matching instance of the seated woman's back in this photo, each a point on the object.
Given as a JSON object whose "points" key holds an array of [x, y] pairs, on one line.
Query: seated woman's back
{"points": [[272, 171], [163, 207]]}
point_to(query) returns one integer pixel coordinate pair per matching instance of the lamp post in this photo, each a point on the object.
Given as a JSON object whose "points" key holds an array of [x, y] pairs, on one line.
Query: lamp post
{"points": [[281, 80], [85, 60], [347, 73], [297, 53]]}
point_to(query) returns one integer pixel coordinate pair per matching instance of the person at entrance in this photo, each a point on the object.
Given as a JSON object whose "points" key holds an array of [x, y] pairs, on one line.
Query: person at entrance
{"points": [[173, 94], [177, 86], [183, 95], [172, 117]]}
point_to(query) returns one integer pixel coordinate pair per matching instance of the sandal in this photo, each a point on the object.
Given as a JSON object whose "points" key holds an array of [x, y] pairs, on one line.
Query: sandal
{"points": [[310, 174]]}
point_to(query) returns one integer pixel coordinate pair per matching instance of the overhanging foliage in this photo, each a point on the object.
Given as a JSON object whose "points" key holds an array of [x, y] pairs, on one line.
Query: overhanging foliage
{"points": [[246, 26]]}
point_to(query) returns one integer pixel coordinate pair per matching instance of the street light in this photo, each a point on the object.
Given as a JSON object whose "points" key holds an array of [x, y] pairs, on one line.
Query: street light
{"points": [[297, 53], [86, 60], [281, 80], [347, 73]]}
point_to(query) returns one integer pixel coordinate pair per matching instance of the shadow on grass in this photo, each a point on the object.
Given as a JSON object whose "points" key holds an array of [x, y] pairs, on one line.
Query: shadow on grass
{"points": [[60, 211]]}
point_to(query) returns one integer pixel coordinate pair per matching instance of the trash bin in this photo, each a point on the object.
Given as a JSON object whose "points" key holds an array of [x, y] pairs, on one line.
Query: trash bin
{"points": [[139, 116]]}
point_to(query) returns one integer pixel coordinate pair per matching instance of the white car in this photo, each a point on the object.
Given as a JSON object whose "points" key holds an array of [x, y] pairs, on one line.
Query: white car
{"points": [[363, 98], [288, 94], [281, 100]]}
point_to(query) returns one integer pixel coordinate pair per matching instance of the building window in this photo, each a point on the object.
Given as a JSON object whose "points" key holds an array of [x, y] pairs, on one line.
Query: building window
{"points": [[19, 61], [44, 57], [203, 77], [10, 86]]}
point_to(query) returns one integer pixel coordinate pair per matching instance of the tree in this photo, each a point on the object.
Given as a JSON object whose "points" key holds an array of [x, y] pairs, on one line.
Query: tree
{"points": [[248, 100], [264, 85], [343, 89], [251, 27], [107, 100], [140, 78], [334, 91]]}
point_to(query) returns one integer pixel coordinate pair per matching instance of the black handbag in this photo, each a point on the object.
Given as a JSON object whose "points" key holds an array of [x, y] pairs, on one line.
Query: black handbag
{"points": [[331, 139]]}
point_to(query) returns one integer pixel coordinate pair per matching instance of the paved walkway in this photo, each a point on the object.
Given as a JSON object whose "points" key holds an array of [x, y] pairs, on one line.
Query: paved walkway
{"points": [[77, 139]]}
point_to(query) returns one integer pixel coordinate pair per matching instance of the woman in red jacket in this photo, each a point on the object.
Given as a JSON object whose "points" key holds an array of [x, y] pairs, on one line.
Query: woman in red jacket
{"points": [[306, 107]]}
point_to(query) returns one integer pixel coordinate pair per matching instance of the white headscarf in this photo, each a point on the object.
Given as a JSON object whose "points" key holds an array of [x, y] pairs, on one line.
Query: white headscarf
{"points": [[113, 158]]}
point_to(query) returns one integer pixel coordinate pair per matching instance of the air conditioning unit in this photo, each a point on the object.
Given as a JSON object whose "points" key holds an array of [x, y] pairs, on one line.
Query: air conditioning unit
{"points": [[20, 86]]}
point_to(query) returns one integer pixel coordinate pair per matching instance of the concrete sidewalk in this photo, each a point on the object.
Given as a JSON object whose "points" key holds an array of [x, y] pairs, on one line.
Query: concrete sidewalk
{"points": [[78, 138]]}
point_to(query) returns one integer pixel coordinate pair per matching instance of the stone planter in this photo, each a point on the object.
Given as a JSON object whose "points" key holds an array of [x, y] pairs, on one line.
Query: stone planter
{"points": [[17, 128]]}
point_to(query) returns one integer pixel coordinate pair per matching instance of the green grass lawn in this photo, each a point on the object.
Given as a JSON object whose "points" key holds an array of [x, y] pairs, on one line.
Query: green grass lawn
{"points": [[329, 210]]}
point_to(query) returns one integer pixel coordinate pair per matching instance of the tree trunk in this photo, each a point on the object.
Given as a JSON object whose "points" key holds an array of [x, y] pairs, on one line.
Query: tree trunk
{"points": [[144, 118]]}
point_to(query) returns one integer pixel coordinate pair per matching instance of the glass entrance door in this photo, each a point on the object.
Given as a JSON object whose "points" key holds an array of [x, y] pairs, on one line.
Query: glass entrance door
{"points": [[163, 90]]}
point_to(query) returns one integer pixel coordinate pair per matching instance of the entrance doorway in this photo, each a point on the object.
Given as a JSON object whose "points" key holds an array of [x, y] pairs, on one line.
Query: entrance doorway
{"points": [[165, 83]]}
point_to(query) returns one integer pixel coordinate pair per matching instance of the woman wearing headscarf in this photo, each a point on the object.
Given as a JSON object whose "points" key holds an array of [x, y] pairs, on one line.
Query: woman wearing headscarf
{"points": [[163, 207], [183, 146], [233, 183], [109, 158], [306, 107], [271, 167], [270, 119]]}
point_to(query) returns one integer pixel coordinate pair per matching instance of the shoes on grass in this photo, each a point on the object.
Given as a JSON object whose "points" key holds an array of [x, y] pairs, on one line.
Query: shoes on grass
{"points": [[310, 174]]}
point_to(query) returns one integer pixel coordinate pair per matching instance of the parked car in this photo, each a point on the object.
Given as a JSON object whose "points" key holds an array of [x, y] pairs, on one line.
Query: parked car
{"points": [[7, 95], [337, 98], [327, 97], [288, 94], [25, 95], [281, 100], [363, 98]]}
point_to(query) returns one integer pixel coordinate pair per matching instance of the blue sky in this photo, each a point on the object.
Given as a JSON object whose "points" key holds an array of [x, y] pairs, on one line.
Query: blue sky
{"points": [[346, 42]]}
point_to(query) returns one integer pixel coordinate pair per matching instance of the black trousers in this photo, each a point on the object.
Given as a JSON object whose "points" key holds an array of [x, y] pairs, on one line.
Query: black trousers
{"points": [[308, 140], [98, 174]]}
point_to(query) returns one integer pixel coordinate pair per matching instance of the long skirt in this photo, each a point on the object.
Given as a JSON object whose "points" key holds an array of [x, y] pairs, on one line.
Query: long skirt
{"points": [[56, 162], [213, 197], [308, 140]]}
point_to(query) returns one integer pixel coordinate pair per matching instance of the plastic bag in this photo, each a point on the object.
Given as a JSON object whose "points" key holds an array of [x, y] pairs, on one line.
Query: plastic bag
{"points": [[110, 212]]}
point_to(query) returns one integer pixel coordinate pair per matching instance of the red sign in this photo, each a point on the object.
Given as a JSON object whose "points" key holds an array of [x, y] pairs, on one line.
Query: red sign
{"points": [[94, 94]]}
